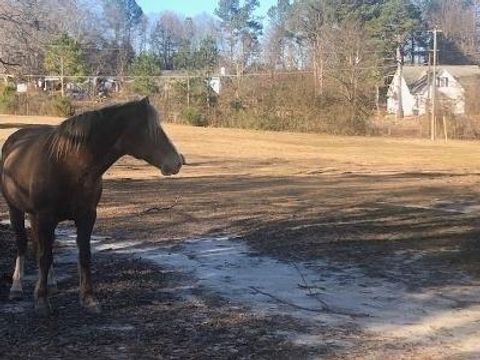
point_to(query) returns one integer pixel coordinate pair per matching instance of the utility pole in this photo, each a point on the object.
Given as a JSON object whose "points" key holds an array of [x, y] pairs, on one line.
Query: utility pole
{"points": [[61, 76], [399, 113], [315, 70], [188, 90], [434, 90], [476, 27], [321, 75], [207, 62], [429, 92]]}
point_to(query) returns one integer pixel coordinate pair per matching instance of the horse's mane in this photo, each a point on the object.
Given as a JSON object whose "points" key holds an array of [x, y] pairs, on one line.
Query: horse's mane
{"points": [[76, 131]]}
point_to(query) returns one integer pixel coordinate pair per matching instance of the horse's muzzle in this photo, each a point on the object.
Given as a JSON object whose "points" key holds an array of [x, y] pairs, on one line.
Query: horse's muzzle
{"points": [[171, 170]]}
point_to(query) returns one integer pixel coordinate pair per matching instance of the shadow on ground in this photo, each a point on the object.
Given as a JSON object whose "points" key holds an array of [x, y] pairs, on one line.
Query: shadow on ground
{"points": [[392, 226], [349, 219]]}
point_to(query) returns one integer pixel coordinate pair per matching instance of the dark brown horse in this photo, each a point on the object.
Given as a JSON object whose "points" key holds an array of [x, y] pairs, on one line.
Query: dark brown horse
{"points": [[54, 173]]}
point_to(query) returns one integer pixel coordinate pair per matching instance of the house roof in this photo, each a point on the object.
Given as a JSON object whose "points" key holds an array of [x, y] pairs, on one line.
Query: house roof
{"points": [[419, 85], [413, 73], [462, 72], [416, 77]]}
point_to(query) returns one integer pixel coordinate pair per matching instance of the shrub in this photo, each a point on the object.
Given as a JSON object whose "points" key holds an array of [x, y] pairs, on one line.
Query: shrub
{"points": [[7, 99], [194, 117], [61, 106], [144, 86], [237, 105]]}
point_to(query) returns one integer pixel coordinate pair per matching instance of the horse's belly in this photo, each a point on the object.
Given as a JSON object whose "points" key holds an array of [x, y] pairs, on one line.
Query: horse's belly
{"points": [[40, 198]]}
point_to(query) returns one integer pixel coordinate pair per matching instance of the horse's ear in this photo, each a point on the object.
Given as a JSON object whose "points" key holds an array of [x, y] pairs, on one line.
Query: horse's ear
{"points": [[146, 100]]}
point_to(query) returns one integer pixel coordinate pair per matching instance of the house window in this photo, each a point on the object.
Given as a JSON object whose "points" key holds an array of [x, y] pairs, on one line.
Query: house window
{"points": [[442, 81]]}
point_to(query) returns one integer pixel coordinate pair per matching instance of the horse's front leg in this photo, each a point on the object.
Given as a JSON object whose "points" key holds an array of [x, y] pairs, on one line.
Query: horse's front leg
{"points": [[43, 229], [84, 225]]}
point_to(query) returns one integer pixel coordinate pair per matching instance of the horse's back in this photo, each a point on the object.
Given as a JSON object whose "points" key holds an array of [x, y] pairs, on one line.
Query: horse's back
{"points": [[25, 137]]}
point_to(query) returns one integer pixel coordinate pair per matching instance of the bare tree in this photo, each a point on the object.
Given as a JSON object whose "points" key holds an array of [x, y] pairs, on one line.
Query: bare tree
{"points": [[123, 18], [166, 37], [352, 67], [205, 26], [277, 36], [458, 21], [20, 24], [27, 27]]}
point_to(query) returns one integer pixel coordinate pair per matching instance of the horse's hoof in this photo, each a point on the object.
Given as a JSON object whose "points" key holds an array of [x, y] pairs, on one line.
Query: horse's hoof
{"points": [[15, 295], [91, 305], [42, 307]]}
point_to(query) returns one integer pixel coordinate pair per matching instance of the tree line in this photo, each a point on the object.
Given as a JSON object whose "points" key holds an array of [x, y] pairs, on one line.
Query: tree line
{"points": [[349, 46]]}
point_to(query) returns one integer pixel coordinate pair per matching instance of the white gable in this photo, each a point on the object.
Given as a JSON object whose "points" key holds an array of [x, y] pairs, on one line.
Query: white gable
{"points": [[452, 91]]}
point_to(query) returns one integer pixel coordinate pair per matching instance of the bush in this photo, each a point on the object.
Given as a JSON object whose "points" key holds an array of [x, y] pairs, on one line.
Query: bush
{"points": [[194, 117], [61, 106], [237, 105], [7, 99], [144, 86], [35, 103]]}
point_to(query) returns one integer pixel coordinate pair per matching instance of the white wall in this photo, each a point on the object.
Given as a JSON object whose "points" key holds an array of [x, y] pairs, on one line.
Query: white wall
{"points": [[408, 100], [454, 91]]}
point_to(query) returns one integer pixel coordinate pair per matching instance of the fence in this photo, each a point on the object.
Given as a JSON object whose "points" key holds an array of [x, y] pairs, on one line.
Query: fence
{"points": [[269, 100], [276, 100]]}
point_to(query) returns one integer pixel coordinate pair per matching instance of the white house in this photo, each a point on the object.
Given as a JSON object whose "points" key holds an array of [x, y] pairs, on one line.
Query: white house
{"points": [[417, 87]]}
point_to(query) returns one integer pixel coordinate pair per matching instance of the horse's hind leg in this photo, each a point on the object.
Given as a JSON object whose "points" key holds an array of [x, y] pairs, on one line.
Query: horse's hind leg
{"points": [[43, 230], [51, 280], [17, 220], [84, 225]]}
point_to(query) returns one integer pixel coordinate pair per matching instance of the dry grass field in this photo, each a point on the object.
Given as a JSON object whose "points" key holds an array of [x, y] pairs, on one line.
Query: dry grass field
{"points": [[404, 213]]}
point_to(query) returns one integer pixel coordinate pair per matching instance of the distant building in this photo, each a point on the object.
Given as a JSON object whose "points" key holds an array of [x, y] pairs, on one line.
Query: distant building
{"points": [[215, 84], [22, 87], [452, 82]]}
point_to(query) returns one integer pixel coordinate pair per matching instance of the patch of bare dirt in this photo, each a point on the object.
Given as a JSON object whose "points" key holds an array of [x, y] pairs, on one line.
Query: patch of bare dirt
{"points": [[358, 203]]}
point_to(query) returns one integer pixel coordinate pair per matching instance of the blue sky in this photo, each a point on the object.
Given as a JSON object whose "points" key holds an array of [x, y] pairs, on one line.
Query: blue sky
{"points": [[192, 7]]}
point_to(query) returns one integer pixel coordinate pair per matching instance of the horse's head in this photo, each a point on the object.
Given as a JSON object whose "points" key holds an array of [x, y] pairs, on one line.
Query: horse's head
{"points": [[146, 140]]}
